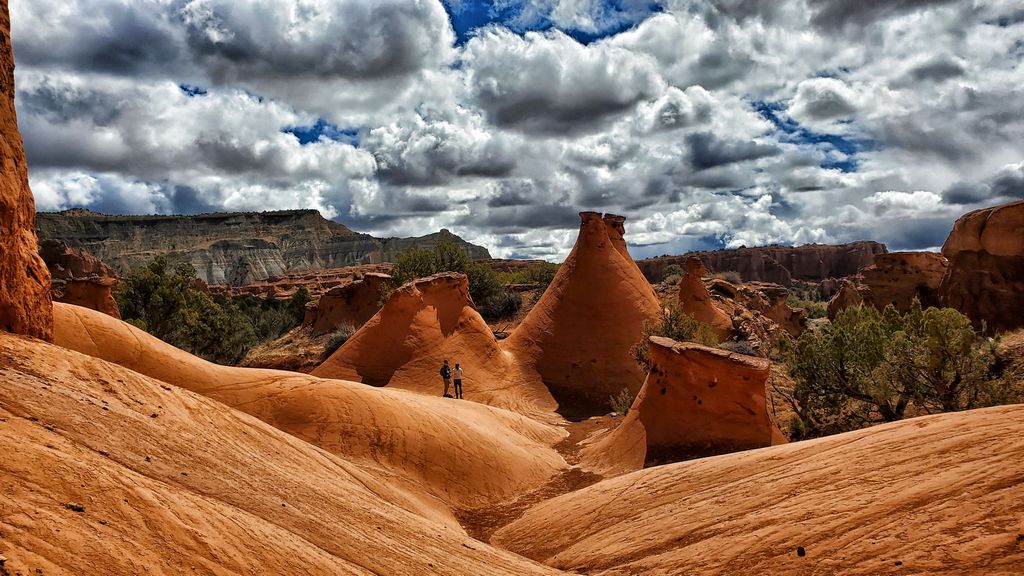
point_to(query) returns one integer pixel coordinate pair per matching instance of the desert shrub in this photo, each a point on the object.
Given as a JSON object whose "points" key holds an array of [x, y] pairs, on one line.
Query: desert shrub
{"points": [[730, 276], [539, 273], [741, 347], [447, 256], [673, 270], [337, 339], [621, 402], [870, 366], [162, 300], [504, 304], [674, 324], [672, 279], [813, 309]]}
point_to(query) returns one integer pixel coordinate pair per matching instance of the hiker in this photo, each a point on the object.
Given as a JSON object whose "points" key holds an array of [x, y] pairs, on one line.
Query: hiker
{"points": [[446, 375], [458, 381]]}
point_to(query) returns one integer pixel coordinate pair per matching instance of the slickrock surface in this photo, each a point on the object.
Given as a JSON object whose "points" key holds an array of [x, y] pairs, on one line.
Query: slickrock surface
{"points": [[24, 281], [462, 453], [695, 300], [350, 304], [109, 472], [231, 248], [578, 335], [985, 279], [933, 495], [696, 401], [778, 264], [424, 323]]}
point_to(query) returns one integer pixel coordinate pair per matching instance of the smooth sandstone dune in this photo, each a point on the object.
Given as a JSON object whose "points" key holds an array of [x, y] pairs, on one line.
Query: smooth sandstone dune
{"points": [[170, 482], [463, 453], [695, 401], [577, 337], [939, 494], [423, 323], [24, 280]]}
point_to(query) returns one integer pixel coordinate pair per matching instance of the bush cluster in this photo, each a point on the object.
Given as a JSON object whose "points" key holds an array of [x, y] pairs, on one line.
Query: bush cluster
{"points": [[493, 300], [677, 325], [870, 366], [164, 300]]}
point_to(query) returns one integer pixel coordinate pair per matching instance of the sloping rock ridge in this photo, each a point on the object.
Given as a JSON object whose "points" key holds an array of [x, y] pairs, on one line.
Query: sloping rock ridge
{"points": [[231, 248], [777, 264]]}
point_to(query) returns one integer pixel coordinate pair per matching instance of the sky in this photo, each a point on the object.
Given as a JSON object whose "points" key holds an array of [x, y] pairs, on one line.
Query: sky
{"points": [[707, 123]]}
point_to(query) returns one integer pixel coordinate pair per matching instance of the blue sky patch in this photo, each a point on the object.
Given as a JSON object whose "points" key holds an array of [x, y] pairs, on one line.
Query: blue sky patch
{"points": [[840, 151], [616, 16], [192, 91], [323, 128]]}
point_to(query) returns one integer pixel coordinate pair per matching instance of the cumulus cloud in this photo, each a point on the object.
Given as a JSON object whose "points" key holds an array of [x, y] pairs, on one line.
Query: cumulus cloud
{"points": [[707, 123], [550, 83]]}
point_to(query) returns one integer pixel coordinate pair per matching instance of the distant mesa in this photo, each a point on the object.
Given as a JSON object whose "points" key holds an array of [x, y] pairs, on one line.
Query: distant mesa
{"points": [[696, 401], [424, 323], [577, 337], [235, 248]]}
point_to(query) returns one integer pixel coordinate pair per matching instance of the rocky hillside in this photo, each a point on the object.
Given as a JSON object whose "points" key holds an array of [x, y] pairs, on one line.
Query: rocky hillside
{"points": [[777, 264], [230, 248]]}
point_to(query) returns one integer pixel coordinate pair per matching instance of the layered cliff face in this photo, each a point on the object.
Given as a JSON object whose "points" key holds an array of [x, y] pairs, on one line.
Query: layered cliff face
{"points": [[985, 278], [24, 281], [231, 248], [778, 264]]}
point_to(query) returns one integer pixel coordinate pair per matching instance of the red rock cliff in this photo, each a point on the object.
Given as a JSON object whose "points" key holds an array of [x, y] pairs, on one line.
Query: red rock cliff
{"points": [[985, 278], [25, 306]]}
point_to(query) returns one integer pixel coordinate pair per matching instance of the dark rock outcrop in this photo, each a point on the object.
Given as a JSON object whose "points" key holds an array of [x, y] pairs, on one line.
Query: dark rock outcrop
{"points": [[80, 278], [351, 304], [25, 306], [985, 278], [899, 277], [231, 248], [777, 264]]}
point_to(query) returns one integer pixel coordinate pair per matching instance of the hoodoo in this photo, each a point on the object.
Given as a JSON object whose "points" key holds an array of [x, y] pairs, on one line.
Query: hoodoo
{"points": [[578, 336], [24, 280], [424, 323], [696, 301], [696, 401], [985, 278]]}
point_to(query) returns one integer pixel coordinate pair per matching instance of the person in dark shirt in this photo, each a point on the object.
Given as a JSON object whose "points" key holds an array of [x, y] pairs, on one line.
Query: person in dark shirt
{"points": [[446, 375]]}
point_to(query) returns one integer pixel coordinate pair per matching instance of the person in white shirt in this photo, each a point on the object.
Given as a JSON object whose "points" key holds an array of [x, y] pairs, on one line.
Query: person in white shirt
{"points": [[458, 380]]}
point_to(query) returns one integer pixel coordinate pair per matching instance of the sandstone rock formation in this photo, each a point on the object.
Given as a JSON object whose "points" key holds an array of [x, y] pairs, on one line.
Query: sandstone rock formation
{"points": [[108, 472], [898, 277], [578, 336], [985, 278], [350, 304], [848, 295], [850, 502], [695, 300], [429, 448], [79, 278], [759, 311], [778, 264], [24, 281], [231, 248], [696, 401], [422, 324]]}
